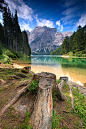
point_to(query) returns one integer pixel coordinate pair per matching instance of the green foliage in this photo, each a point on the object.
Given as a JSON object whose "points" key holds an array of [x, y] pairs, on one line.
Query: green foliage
{"points": [[58, 51], [80, 105], [70, 53], [10, 54], [26, 124], [11, 35], [3, 89], [33, 86], [75, 43], [56, 118], [5, 59], [58, 81]]}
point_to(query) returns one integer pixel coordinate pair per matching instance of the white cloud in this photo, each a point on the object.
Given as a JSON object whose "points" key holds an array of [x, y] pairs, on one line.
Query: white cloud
{"points": [[58, 23], [60, 27], [1, 21], [82, 21], [69, 3], [70, 11], [23, 10], [44, 22], [25, 26]]}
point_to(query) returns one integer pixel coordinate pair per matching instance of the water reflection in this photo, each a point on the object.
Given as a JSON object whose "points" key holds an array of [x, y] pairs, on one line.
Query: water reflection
{"points": [[74, 68]]}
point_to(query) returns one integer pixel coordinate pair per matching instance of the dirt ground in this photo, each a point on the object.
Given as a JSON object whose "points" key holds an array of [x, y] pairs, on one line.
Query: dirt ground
{"points": [[18, 116]]}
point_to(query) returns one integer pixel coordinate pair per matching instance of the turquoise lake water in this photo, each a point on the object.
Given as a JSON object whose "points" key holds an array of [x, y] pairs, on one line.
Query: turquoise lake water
{"points": [[74, 68]]}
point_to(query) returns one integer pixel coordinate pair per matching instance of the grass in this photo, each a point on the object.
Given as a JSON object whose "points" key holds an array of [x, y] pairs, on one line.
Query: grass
{"points": [[71, 118], [58, 81], [33, 86], [26, 123], [80, 105], [1, 90], [56, 118]]}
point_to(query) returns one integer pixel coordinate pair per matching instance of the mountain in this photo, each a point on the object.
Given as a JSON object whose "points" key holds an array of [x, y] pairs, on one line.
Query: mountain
{"points": [[44, 40]]}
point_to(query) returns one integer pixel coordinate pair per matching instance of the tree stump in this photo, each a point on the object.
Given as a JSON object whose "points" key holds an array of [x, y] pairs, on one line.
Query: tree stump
{"points": [[64, 78], [46, 75], [42, 111], [26, 69]]}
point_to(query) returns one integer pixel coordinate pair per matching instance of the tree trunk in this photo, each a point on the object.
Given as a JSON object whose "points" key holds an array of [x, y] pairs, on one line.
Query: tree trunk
{"points": [[42, 112], [16, 43]]}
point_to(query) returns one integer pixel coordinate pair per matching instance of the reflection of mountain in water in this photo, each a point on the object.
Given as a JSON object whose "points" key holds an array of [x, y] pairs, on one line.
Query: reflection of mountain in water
{"points": [[58, 61], [44, 60], [71, 62]]}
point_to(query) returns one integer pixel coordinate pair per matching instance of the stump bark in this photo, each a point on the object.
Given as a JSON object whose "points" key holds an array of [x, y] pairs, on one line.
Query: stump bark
{"points": [[42, 112]]}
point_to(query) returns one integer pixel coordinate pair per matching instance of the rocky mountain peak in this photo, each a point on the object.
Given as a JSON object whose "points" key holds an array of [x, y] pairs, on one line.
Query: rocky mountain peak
{"points": [[44, 40]]}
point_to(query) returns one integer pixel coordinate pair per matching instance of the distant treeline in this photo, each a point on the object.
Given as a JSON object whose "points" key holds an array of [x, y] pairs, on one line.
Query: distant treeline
{"points": [[76, 44], [10, 33]]}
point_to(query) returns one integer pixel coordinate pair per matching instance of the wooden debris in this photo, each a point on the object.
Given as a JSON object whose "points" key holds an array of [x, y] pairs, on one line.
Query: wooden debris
{"points": [[15, 98]]}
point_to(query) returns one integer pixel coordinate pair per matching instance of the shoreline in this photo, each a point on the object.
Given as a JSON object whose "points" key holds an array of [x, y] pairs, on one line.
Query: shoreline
{"points": [[71, 57], [21, 66]]}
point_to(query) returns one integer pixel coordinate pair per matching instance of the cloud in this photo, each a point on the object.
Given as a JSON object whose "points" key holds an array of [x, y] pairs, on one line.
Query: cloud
{"points": [[25, 26], [70, 11], [44, 22], [82, 21], [1, 21], [23, 10], [58, 23], [60, 27], [69, 3]]}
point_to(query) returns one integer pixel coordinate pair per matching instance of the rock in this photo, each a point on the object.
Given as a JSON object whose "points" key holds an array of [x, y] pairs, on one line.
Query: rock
{"points": [[44, 39]]}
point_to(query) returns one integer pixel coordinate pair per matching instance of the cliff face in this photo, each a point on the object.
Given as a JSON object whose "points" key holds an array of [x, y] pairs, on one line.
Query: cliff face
{"points": [[44, 40]]}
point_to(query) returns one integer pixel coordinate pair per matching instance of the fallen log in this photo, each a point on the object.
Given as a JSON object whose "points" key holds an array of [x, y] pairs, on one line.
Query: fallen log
{"points": [[14, 76], [15, 98], [22, 75], [59, 90], [71, 95], [24, 83]]}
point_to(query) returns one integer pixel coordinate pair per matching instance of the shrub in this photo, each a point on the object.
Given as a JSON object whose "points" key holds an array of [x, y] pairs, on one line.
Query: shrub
{"points": [[15, 53], [33, 86], [10, 54], [58, 81], [5, 59], [70, 53]]}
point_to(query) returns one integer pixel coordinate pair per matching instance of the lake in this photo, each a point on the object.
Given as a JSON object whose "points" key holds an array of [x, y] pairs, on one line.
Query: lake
{"points": [[74, 68]]}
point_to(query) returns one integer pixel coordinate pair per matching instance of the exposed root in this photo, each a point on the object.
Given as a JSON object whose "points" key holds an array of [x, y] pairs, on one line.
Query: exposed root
{"points": [[15, 98]]}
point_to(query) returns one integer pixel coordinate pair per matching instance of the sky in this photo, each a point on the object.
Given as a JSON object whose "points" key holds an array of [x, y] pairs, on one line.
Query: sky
{"points": [[65, 15]]}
